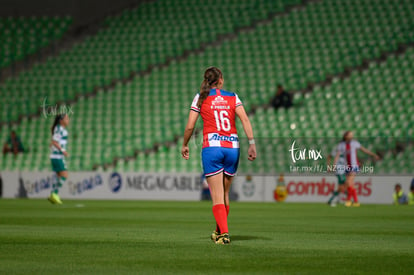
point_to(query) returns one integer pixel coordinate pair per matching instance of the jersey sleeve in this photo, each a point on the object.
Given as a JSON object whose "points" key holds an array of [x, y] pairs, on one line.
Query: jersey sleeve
{"points": [[238, 101], [194, 106], [357, 145], [56, 134]]}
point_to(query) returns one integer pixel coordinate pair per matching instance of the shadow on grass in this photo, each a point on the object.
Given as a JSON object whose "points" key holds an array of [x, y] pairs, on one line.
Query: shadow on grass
{"points": [[237, 238]]}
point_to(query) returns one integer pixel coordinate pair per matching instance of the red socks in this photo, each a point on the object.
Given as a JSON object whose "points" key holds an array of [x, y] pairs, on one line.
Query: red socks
{"points": [[348, 198], [355, 195], [227, 210], [220, 212], [352, 193]]}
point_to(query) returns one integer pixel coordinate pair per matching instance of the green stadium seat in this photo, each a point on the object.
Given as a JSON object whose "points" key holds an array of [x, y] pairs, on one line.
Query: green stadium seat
{"points": [[291, 49]]}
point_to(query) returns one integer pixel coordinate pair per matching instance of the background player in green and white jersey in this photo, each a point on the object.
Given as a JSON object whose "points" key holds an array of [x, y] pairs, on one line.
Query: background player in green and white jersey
{"points": [[340, 174], [58, 153]]}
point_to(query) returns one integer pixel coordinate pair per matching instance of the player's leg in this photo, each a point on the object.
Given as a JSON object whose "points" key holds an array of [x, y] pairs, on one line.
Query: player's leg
{"points": [[341, 189], [58, 165], [227, 185], [219, 210], [216, 188], [351, 189], [354, 191], [337, 193], [212, 158], [231, 162], [56, 169], [62, 176], [61, 179]]}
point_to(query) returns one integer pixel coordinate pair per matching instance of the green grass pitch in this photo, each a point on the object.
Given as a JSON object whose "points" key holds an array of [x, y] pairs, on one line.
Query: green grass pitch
{"points": [[142, 237]]}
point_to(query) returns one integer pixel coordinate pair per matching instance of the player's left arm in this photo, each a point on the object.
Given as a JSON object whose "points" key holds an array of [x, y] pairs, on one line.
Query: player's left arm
{"points": [[368, 152], [248, 130], [336, 158], [188, 132]]}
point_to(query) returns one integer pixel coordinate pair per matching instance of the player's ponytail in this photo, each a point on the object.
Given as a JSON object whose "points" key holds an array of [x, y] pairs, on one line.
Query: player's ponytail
{"points": [[211, 78], [204, 91], [58, 118]]}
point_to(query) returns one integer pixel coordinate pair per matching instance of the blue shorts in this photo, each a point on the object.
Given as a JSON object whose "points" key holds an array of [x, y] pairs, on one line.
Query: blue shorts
{"points": [[218, 159]]}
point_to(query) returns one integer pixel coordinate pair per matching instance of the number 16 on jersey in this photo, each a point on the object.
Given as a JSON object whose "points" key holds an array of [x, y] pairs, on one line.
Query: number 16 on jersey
{"points": [[222, 120]]}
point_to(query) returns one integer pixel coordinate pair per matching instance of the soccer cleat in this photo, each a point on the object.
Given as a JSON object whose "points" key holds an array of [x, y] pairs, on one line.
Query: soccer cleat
{"points": [[50, 198], [356, 204], [223, 239], [54, 198], [57, 198], [214, 235], [348, 203], [332, 204]]}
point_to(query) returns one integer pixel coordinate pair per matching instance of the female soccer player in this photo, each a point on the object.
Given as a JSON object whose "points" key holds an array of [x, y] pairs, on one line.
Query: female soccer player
{"points": [[220, 153], [348, 147], [340, 174], [58, 154]]}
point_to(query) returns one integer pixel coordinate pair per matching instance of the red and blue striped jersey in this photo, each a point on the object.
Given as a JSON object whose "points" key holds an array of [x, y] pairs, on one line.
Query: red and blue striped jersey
{"points": [[218, 112]]}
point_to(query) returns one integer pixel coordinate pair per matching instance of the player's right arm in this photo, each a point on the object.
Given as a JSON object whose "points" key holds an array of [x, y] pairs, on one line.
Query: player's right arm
{"points": [[188, 132], [189, 128], [247, 126], [328, 163]]}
